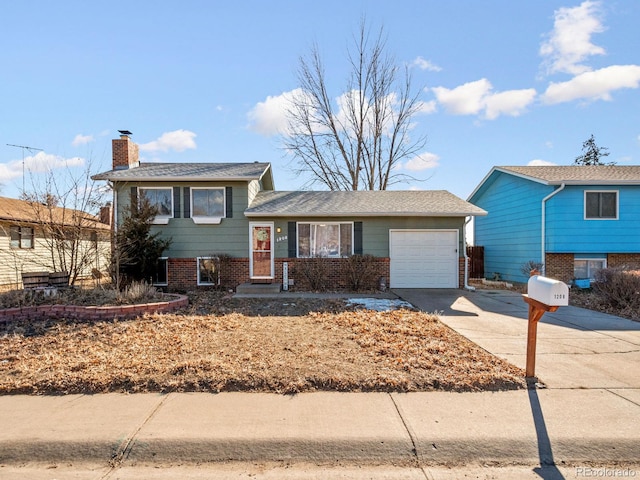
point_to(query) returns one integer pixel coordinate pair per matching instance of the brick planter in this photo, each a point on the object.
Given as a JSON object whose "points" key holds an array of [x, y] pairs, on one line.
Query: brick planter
{"points": [[75, 312]]}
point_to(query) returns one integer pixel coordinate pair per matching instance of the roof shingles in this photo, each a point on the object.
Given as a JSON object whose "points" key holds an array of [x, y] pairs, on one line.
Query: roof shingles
{"points": [[580, 174], [187, 171], [430, 203]]}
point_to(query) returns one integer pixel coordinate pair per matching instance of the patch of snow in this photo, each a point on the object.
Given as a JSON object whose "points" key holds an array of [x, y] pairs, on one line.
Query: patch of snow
{"points": [[379, 304]]}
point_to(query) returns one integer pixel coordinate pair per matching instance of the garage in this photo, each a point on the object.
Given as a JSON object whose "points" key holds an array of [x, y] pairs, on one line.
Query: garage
{"points": [[423, 258]]}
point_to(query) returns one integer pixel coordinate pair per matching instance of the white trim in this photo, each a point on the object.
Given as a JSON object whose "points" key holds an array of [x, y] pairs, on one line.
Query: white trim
{"points": [[207, 220], [270, 225], [617, 217]]}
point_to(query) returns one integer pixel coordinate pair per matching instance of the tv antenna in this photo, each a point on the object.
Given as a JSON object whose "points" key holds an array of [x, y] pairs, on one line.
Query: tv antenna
{"points": [[31, 150]]}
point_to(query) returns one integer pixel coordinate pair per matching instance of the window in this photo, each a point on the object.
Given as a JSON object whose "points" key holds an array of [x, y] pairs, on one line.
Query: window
{"points": [[208, 271], [325, 239], [162, 198], [207, 204], [601, 205], [161, 275], [587, 267], [21, 237]]}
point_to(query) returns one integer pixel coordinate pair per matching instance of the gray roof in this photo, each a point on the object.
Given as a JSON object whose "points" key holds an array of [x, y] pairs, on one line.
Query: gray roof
{"points": [[150, 172], [579, 174], [414, 203]]}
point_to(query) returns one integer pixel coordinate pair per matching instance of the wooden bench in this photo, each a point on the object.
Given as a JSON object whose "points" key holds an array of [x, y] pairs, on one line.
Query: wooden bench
{"points": [[31, 280], [35, 280]]}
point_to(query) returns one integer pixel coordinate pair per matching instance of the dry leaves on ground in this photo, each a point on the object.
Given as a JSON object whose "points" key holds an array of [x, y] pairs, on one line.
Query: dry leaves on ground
{"points": [[329, 349]]}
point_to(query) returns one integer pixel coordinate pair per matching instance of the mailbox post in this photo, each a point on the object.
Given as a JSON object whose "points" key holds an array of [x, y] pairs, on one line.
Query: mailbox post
{"points": [[543, 295]]}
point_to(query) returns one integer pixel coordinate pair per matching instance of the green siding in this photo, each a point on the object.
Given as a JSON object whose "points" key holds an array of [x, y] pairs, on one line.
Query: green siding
{"points": [[231, 236], [189, 240], [375, 230]]}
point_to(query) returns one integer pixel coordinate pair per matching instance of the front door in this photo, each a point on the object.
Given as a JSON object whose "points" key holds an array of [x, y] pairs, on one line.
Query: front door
{"points": [[261, 254]]}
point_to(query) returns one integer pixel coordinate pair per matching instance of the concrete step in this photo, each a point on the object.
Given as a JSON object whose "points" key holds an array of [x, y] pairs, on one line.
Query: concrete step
{"points": [[258, 288]]}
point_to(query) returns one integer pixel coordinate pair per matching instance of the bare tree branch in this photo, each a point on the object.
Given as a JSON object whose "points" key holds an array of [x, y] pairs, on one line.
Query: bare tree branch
{"points": [[357, 141]]}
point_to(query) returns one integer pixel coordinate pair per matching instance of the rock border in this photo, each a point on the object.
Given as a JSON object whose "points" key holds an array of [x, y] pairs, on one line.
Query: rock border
{"points": [[77, 312]]}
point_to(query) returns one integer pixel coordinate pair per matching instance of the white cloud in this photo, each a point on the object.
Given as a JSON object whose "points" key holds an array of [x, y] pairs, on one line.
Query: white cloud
{"points": [[424, 161], [475, 98], [467, 99], [45, 162], [178, 141], [540, 163], [569, 43], [427, 107], [596, 85], [270, 117], [511, 102], [81, 140], [39, 163], [423, 64]]}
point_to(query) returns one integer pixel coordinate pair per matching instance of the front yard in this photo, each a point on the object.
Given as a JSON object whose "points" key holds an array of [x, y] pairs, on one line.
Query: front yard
{"points": [[226, 344]]}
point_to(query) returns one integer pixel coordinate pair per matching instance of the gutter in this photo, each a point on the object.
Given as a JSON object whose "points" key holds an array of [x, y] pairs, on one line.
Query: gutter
{"points": [[544, 224], [466, 258]]}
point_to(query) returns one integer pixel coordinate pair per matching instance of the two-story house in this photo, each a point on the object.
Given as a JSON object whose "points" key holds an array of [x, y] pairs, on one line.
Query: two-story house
{"points": [[232, 209], [572, 219]]}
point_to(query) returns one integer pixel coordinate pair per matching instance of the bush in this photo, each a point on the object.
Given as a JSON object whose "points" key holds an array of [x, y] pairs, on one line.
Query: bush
{"points": [[360, 271], [527, 267], [315, 271], [139, 292], [618, 288]]}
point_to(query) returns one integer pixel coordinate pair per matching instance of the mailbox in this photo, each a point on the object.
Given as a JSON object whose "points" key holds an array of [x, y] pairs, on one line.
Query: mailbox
{"points": [[548, 291]]}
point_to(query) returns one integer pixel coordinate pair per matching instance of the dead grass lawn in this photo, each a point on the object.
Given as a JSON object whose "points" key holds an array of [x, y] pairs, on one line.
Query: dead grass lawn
{"points": [[305, 350]]}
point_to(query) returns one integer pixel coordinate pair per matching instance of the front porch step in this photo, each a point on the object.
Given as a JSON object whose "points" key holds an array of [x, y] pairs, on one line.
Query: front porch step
{"points": [[257, 288]]}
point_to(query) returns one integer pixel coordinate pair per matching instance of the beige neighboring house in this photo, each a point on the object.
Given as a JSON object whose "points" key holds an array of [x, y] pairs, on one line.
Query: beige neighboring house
{"points": [[37, 238]]}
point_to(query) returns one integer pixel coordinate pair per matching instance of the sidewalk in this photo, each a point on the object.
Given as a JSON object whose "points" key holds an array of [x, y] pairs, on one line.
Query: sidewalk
{"points": [[587, 416]]}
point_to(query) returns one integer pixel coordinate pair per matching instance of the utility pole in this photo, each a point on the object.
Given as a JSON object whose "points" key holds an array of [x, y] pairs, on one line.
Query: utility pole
{"points": [[31, 150]]}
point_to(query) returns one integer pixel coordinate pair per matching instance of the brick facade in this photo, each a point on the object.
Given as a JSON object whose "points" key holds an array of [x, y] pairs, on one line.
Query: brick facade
{"points": [[559, 266], [182, 273], [623, 260]]}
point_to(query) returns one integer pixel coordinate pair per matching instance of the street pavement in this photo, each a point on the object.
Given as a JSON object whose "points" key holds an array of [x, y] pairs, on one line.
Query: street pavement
{"points": [[581, 421]]}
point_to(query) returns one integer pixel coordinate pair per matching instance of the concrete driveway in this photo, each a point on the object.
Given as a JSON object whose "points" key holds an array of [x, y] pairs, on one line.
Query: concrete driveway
{"points": [[576, 348]]}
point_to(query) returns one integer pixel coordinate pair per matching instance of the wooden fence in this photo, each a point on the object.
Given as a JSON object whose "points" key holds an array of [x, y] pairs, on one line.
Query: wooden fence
{"points": [[476, 261]]}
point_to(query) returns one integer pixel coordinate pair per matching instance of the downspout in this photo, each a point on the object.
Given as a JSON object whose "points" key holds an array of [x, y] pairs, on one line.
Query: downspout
{"points": [[543, 258], [114, 214], [466, 258]]}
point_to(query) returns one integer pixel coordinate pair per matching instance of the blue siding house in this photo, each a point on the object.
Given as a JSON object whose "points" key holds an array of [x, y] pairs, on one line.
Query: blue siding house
{"points": [[573, 220]]}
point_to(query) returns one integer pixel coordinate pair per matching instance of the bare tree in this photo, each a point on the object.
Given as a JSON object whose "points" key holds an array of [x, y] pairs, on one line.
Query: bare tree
{"points": [[66, 229], [357, 142]]}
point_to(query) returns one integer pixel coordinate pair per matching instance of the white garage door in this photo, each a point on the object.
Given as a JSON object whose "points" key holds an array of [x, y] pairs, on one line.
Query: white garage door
{"points": [[423, 258]]}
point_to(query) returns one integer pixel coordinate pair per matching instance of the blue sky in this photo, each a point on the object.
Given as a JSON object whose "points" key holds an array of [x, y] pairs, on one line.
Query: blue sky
{"points": [[503, 82]]}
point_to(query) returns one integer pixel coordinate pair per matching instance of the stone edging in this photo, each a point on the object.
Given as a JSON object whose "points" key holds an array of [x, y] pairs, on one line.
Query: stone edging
{"points": [[76, 312]]}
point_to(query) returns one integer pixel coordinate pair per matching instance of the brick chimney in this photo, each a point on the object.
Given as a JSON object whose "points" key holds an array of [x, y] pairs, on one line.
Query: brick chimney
{"points": [[106, 212], [125, 152]]}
